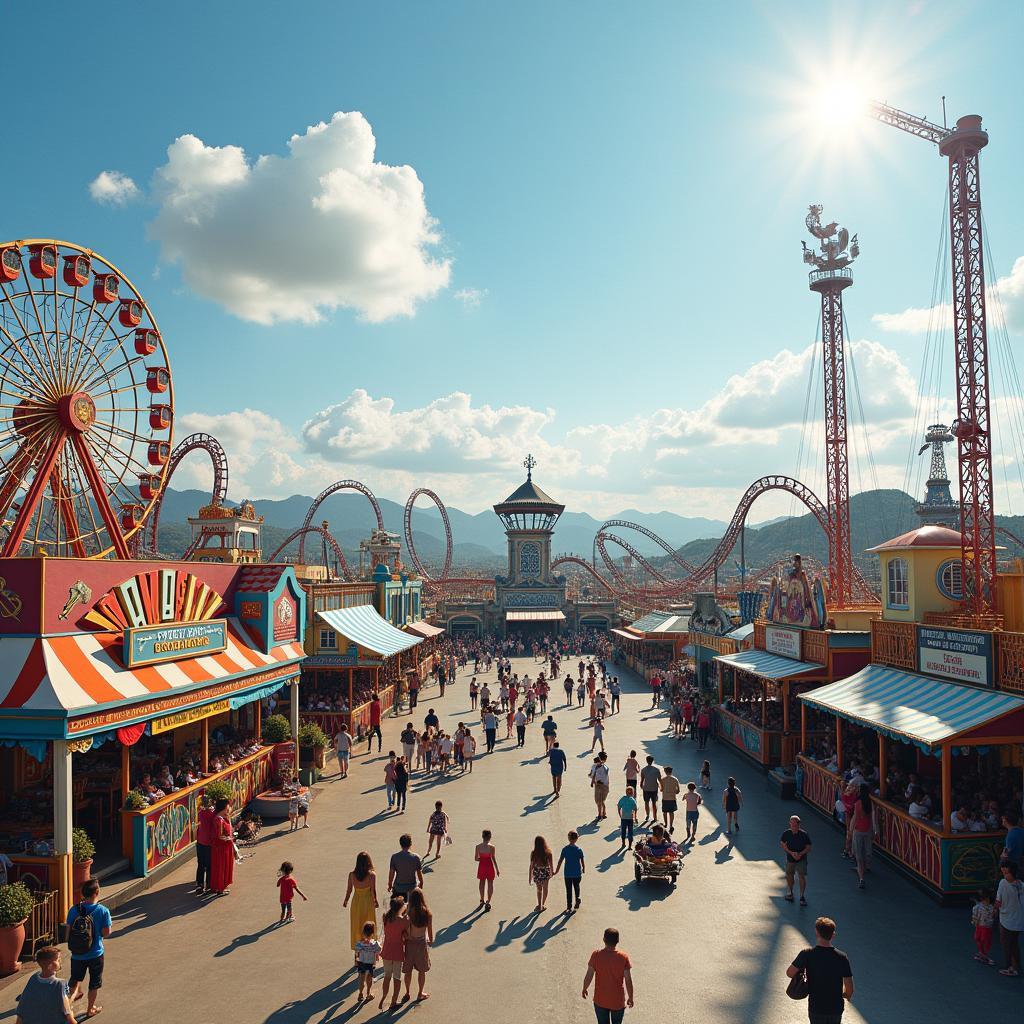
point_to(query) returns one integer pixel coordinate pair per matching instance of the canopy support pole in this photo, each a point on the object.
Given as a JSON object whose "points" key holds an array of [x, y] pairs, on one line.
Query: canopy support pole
{"points": [[803, 727], [839, 745], [947, 787], [293, 690], [883, 767]]}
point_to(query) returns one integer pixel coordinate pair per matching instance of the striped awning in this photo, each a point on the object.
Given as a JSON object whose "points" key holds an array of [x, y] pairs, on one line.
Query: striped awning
{"points": [[534, 615], [424, 629], [766, 665], [363, 626], [625, 636], [910, 707], [83, 671]]}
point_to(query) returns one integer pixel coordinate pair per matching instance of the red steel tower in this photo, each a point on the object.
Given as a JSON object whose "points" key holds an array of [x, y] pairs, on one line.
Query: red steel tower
{"points": [[961, 146], [830, 277]]}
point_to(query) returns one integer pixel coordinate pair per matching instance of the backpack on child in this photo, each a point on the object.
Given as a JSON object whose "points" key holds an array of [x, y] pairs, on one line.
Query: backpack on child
{"points": [[80, 933]]}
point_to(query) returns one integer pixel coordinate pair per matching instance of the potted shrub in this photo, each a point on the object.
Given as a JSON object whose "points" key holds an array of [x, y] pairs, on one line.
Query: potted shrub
{"points": [[82, 852], [135, 801], [276, 729], [16, 904], [219, 789], [313, 743]]}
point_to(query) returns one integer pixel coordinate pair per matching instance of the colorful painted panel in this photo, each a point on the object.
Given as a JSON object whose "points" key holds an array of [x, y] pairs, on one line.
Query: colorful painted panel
{"points": [[820, 787], [911, 843], [739, 733], [168, 828], [970, 863]]}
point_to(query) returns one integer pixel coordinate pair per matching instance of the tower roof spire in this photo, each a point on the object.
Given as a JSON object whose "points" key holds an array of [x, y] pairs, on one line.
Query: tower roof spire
{"points": [[529, 462]]}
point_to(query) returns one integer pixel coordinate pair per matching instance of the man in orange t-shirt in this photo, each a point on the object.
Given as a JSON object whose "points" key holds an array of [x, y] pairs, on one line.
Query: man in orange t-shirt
{"points": [[609, 969]]}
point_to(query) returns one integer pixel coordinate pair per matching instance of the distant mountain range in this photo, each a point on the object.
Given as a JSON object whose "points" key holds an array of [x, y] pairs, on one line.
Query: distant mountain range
{"points": [[479, 541]]}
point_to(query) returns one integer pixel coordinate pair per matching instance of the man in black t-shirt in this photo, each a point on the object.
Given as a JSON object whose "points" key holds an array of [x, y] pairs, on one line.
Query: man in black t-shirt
{"points": [[797, 844], [829, 976]]}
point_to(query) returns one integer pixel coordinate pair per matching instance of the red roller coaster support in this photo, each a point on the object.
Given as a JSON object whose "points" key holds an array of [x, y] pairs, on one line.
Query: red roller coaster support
{"points": [[407, 522], [321, 531], [339, 485], [961, 146]]}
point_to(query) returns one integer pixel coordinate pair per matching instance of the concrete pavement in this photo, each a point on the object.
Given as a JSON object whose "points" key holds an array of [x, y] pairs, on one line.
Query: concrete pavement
{"points": [[714, 951]]}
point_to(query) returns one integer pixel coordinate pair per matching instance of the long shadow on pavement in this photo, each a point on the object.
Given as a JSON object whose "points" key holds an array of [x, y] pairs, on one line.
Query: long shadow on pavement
{"points": [[247, 940], [540, 935], [509, 931], [323, 1005], [450, 932]]}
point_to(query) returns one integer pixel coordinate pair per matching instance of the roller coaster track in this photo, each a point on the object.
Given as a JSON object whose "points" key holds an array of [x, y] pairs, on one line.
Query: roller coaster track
{"points": [[601, 541], [407, 522], [582, 563], [338, 485], [321, 531], [194, 442], [1010, 536], [624, 524]]}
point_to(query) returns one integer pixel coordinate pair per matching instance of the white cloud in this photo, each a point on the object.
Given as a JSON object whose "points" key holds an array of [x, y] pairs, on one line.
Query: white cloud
{"points": [[1005, 299], [470, 297], [293, 237], [113, 188], [693, 461]]}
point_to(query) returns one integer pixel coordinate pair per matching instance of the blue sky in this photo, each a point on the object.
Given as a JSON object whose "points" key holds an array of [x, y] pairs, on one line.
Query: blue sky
{"points": [[616, 194]]}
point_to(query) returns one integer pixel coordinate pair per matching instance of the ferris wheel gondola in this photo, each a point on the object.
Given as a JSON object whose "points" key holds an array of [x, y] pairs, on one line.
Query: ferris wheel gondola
{"points": [[86, 403]]}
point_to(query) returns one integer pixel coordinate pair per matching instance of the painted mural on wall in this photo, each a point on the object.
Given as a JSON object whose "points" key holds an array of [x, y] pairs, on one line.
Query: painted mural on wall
{"points": [[971, 863], [737, 732], [795, 599]]}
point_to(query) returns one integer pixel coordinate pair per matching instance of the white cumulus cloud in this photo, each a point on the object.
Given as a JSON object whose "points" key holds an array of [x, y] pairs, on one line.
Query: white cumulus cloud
{"points": [[293, 237], [113, 188]]}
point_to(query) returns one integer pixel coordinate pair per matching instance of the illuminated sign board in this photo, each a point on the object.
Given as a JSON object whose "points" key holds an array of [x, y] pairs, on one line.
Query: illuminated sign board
{"points": [[151, 645]]}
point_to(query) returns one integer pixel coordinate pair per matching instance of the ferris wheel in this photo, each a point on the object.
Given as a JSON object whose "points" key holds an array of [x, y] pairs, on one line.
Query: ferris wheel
{"points": [[86, 403]]}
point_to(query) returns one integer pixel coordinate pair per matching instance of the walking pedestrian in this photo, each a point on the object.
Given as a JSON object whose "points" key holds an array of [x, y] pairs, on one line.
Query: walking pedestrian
{"points": [[287, 888], [581, 692], [1009, 903], [406, 869], [401, 784], [616, 692], [367, 953], [627, 808], [389, 777], [632, 770], [490, 720], [650, 783], [88, 927], [732, 801], [669, 792], [655, 690], [362, 891], [575, 867], [541, 863], [487, 868], [983, 918], [44, 999], [797, 844], [474, 692], [408, 740], [864, 827], [414, 690], [468, 750], [418, 939], [692, 801], [520, 723], [567, 686], [204, 843], [549, 731], [703, 727], [343, 748], [828, 973], [599, 783], [610, 971], [437, 828], [396, 927], [374, 729], [705, 775], [557, 762], [597, 724]]}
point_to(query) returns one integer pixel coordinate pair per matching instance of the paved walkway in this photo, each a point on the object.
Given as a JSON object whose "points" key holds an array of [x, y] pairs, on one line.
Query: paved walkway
{"points": [[713, 951]]}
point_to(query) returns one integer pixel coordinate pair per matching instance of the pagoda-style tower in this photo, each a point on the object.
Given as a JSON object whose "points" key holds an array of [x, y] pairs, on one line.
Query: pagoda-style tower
{"points": [[529, 597], [938, 508]]}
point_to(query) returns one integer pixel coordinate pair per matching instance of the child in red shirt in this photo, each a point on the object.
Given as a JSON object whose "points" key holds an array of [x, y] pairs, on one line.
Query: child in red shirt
{"points": [[288, 887]]}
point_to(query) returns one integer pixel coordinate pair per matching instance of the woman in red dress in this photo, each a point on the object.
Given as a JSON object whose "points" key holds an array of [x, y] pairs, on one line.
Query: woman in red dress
{"points": [[222, 853]]}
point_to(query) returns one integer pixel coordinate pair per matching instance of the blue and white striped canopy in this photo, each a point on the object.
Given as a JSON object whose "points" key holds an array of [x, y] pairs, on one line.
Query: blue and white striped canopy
{"points": [[768, 666], [911, 707], [363, 626]]}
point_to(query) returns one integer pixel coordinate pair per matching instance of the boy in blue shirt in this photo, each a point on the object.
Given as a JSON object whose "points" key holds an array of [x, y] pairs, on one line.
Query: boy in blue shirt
{"points": [[90, 960], [557, 762], [572, 857]]}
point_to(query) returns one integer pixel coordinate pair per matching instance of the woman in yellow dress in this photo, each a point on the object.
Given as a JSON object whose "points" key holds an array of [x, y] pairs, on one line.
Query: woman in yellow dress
{"points": [[362, 890]]}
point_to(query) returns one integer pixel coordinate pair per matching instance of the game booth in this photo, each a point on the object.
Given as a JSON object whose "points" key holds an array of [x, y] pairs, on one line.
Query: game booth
{"points": [[758, 710], [125, 689]]}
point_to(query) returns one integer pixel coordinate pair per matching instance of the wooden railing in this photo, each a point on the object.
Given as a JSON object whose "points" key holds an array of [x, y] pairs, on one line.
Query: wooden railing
{"points": [[1010, 649], [893, 644], [914, 844], [820, 786]]}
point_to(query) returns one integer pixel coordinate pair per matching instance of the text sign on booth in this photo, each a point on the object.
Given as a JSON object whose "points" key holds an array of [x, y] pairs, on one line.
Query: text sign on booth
{"points": [[962, 655], [150, 645], [784, 642]]}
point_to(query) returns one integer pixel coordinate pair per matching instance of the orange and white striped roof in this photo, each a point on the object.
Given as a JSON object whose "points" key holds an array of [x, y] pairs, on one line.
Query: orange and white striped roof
{"points": [[77, 673]]}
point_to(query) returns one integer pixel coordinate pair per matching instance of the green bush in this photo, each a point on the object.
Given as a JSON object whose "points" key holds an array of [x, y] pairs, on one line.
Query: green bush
{"points": [[16, 904], [276, 729], [135, 801], [82, 847], [219, 789], [311, 735]]}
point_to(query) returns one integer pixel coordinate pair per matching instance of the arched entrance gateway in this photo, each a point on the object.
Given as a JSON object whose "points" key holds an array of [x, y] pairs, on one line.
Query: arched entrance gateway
{"points": [[464, 626]]}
